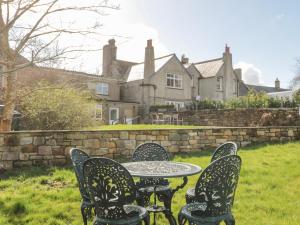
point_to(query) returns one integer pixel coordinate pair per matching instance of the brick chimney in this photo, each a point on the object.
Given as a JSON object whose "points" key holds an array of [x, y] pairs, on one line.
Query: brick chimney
{"points": [[109, 55], [149, 66], [277, 84]]}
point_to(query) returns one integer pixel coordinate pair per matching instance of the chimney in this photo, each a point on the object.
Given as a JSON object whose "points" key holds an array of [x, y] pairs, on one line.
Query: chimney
{"points": [[149, 66], [277, 84], [109, 55], [184, 60], [238, 73]]}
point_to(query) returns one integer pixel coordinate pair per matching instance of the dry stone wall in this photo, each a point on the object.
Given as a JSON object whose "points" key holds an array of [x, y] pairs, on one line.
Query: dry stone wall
{"points": [[49, 148], [243, 117]]}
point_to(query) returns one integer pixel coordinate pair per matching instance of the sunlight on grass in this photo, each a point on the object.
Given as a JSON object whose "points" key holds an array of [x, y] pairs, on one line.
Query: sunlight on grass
{"points": [[268, 192], [142, 127]]}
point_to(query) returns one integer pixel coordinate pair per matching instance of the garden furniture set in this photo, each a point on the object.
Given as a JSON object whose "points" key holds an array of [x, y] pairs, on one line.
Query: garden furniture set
{"points": [[109, 191]]}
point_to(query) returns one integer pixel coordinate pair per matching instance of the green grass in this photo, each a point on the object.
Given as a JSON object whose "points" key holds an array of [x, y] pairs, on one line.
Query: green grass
{"points": [[142, 127], [268, 192]]}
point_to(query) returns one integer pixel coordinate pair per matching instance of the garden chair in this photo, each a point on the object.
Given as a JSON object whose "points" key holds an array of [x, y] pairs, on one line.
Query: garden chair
{"points": [[228, 148], [215, 190], [112, 191], [146, 186], [78, 157]]}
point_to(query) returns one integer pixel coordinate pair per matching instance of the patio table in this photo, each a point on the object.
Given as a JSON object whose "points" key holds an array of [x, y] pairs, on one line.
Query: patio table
{"points": [[163, 169]]}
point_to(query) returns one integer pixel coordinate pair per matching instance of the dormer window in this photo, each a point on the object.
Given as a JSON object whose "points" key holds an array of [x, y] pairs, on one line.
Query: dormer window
{"points": [[102, 89], [219, 83], [174, 81]]}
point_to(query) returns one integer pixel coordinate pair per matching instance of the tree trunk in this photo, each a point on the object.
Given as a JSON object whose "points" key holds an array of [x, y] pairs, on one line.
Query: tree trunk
{"points": [[9, 102]]}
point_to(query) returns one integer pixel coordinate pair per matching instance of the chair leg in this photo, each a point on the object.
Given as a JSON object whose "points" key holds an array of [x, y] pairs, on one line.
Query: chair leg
{"points": [[230, 221], [147, 220], [84, 213], [181, 219]]}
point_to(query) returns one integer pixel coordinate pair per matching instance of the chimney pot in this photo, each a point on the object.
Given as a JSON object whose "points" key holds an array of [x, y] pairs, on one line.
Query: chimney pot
{"points": [[184, 60], [227, 49], [149, 43], [111, 41]]}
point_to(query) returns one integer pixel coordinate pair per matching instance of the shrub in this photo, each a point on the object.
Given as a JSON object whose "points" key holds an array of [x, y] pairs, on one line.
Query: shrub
{"points": [[56, 108], [206, 104]]}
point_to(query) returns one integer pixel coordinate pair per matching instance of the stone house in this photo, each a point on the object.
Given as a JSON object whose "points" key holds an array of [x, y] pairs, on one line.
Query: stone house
{"points": [[126, 90]]}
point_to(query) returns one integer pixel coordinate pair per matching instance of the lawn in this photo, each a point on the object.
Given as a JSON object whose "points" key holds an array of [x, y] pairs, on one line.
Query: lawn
{"points": [[268, 192], [142, 127]]}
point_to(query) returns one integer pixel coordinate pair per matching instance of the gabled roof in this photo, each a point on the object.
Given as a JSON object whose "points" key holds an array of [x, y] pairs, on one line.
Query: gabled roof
{"points": [[209, 68], [266, 89], [137, 71]]}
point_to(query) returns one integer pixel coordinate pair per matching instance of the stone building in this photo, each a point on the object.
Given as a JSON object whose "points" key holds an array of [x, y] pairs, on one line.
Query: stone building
{"points": [[126, 90]]}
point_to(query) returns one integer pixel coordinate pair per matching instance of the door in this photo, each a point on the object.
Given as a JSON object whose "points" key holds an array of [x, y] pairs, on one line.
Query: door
{"points": [[113, 115]]}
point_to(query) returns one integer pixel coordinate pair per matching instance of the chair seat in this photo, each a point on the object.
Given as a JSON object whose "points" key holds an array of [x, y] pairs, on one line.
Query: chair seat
{"points": [[191, 192], [190, 195], [150, 189], [188, 212], [134, 215]]}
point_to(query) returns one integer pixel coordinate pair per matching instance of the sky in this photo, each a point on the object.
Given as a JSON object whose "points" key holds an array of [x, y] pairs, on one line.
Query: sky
{"points": [[264, 36]]}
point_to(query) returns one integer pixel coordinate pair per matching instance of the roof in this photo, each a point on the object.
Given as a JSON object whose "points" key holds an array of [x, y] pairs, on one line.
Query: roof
{"points": [[282, 94], [266, 89], [137, 71], [209, 68]]}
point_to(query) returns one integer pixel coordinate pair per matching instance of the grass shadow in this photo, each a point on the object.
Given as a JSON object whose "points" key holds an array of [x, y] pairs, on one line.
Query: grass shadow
{"points": [[30, 172]]}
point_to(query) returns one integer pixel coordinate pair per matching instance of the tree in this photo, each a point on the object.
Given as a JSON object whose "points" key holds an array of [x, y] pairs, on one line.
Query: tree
{"points": [[51, 107], [295, 83], [33, 29]]}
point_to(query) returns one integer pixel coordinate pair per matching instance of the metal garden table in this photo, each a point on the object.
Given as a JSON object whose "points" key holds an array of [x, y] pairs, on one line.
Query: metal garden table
{"points": [[163, 169]]}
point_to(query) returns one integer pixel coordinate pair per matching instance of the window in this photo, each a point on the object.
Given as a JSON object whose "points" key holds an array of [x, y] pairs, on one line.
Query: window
{"points": [[174, 81], [102, 89], [98, 112], [219, 83], [236, 87], [178, 105]]}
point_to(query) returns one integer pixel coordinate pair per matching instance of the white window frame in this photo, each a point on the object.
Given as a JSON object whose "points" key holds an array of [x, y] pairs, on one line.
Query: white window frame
{"points": [[174, 78], [99, 107], [102, 89], [178, 105], [219, 84]]}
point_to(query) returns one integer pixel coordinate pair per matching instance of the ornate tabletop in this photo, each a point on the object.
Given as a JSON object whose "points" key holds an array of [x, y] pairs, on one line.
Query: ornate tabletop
{"points": [[161, 169]]}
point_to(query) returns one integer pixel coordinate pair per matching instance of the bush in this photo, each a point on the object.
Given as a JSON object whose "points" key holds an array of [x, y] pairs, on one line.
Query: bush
{"points": [[252, 100], [56, 108], [206, 104]]}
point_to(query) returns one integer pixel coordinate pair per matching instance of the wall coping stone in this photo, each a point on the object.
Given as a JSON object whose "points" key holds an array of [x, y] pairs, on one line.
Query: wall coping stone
{"points": [[156, 129]]}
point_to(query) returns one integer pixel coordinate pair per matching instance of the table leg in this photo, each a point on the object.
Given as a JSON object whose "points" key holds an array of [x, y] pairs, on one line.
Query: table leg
{"points": [[166, 198]]}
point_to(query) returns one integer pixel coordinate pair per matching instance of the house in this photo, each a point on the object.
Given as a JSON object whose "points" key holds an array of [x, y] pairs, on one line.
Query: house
{"points": [[126, 90], [170, 80], [245, 88]]}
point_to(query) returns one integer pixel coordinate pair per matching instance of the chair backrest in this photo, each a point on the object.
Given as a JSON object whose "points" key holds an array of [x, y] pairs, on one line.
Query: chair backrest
{"points": [[78, 157], [228, 148], [110, 187], [217, 184], [150, 152]]}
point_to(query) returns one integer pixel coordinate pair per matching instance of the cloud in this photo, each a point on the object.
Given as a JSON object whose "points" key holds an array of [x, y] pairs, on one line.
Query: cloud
{"points": [[133, 47], [250, 73]]}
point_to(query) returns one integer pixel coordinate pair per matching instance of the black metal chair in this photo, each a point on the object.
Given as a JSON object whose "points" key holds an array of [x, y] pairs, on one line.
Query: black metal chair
{"points": [[228, 148], [78, 157], [112, 191], [152, 152], [214, 194]]}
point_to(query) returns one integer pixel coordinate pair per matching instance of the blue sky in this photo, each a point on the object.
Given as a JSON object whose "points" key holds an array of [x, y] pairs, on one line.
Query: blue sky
{"points": [[264, 34]]}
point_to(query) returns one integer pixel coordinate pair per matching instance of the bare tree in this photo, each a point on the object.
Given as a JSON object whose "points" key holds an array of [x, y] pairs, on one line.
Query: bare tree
{"points": [[295, 83], [34, 29]]}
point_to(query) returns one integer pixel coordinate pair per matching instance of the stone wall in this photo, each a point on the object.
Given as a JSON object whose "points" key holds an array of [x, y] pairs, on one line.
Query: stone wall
{"points": [[19, 149], [243, 117]]}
